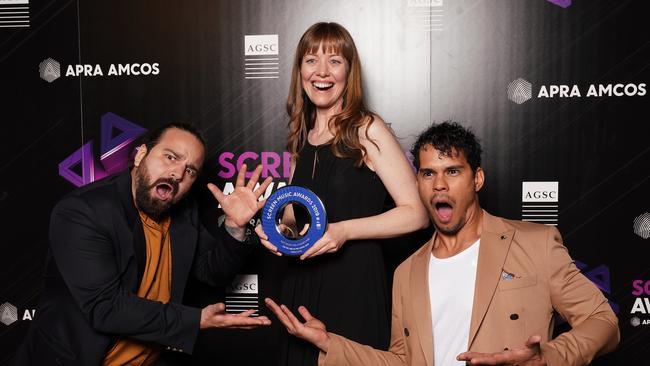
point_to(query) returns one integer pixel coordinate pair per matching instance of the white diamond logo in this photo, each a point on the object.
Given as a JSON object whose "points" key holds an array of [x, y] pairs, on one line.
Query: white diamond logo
{"points": [[49, 70], [642, 225], [520, 90], [8, 313]]}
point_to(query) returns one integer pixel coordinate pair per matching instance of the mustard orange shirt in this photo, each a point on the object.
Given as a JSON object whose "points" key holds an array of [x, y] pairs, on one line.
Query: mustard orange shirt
{"points": [[156, 285]]}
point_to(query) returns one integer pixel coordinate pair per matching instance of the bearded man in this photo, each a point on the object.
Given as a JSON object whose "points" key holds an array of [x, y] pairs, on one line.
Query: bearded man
{"points": [[121, 251]]}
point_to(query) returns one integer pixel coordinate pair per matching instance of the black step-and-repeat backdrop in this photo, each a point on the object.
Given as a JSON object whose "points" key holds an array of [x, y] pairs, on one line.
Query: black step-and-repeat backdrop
{"points": [[555, 89]]}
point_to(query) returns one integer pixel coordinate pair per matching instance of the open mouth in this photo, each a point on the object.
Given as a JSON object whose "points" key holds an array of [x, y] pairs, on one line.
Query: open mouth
{"points": [[164, 191], [322, 86], [444, 210]]}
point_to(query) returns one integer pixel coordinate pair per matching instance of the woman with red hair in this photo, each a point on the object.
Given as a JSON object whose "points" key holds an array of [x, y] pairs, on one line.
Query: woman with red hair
{"points": [[350, 158]]}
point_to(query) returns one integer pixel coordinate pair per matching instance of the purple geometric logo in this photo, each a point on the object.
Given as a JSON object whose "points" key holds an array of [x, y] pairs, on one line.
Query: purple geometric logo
{"points": [[562, 3], [599, 275], [117, 137]]}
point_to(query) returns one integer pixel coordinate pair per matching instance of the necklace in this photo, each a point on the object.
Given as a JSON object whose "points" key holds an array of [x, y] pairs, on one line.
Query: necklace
{"points": [[313, 169]]}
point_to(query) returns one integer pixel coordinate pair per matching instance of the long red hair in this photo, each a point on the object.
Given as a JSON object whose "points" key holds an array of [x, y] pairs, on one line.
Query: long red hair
{"points": [[332, 37]]}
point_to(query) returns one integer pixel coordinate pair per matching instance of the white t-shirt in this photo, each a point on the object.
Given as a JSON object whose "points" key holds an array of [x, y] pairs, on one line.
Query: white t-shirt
{"points": [[451, 293]]}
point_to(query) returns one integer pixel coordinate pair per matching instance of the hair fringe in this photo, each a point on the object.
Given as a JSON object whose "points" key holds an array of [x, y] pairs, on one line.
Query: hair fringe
{"points": [[354, 114]]}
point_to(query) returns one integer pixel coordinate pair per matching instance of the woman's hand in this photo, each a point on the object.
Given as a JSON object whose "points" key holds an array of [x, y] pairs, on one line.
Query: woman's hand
{"points": [[264, 239], [331, 242]]}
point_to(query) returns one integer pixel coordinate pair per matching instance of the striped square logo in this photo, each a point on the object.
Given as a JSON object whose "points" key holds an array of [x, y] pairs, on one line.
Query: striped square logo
{"points": [[242, 294], [426, 15], [14, 13], [540, 202], [261, 56]]}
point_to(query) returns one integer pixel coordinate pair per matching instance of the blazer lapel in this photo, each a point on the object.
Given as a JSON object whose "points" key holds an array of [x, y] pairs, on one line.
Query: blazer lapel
{"points": [[123, 183], [183, 242], [495, 243], [421, 306]]}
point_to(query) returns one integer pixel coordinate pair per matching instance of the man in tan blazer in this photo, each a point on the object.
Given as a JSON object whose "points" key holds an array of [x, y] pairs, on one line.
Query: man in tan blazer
{"points": [[483, 289]]}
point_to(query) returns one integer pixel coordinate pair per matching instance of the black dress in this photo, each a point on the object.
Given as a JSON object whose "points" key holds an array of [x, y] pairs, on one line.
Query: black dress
{"points": [[347, 290]]}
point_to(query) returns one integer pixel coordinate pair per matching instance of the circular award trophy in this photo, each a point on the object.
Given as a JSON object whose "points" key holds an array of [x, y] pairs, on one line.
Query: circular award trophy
{"points": [[294, 241]]}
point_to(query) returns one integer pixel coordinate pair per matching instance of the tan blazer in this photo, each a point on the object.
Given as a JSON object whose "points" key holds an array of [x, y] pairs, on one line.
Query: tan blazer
{"points": [[505, 311]]}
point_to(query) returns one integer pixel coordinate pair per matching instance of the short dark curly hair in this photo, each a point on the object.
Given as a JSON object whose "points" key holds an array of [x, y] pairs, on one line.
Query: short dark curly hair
{"points": [[446, 136], [152, 137]]}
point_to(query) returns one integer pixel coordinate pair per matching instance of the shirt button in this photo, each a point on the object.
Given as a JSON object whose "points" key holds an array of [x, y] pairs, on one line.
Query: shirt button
{"points": [[514, 316], [406, 332]]}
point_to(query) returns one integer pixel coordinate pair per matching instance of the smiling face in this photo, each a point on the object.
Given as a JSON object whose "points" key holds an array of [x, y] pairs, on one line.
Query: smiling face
{"points": [[164, 175], [324, 77], [448, 188]]}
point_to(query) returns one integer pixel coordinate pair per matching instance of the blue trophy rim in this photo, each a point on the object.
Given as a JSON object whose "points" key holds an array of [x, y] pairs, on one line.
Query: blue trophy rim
{"points": [[318, 220]]}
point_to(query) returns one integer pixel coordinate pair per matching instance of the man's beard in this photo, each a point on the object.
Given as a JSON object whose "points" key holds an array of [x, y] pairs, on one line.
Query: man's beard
{"points": [[145, 201]]}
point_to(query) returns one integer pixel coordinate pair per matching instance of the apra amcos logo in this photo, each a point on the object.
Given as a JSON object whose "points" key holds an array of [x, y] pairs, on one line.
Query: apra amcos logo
{"points": [[521, 90], [50, 69], [9, 314], [642, 225]]}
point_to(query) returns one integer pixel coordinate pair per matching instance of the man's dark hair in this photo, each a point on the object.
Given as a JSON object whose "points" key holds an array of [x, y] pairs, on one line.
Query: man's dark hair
{"points": [[152, 137], [448, 136]]}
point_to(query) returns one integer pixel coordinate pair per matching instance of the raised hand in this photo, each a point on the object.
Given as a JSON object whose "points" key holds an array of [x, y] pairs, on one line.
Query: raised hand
{"points": [[331, 242], [528, 355], [312, 330], [215, 316], [242, 204]]}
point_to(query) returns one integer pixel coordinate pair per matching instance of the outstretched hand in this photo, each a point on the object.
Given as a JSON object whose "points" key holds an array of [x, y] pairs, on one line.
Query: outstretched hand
{"points": [[243, 203], [528, 355], [312, 330], [215, 316]]}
